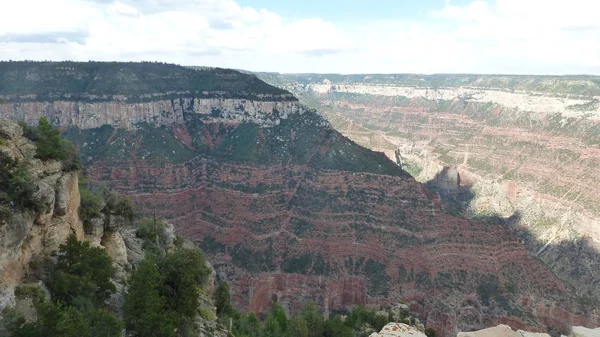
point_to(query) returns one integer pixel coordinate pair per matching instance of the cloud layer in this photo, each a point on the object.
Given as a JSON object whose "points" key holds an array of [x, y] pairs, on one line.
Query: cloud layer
{"points": [[502, 36]]}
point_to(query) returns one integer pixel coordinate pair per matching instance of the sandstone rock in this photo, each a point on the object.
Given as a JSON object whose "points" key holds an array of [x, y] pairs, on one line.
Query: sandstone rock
{"points": [[114, 222], [7, 295], [498, 331], [12, 235], [168, 235], [10, 129], [532, 334], [63, 194], [580, 331], [398, 330], [95, 230], [115, 247], [135, 253], [56, 234], [45, 196]]}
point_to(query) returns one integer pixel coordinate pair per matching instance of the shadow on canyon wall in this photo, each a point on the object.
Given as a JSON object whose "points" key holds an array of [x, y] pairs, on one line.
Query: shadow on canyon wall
{"points": [[576, 262]]}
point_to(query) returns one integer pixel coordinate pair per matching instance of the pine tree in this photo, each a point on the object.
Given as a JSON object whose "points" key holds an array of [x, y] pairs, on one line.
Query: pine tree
{"points": [[314, 319], [223, 300], [297, 327], [81, 271], [144, 306]]}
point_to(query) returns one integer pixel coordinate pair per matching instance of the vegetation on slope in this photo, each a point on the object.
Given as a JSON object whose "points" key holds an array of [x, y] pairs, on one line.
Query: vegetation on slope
{"points": [[17, 190], [104, 81], [79, 283], [359, 322]]}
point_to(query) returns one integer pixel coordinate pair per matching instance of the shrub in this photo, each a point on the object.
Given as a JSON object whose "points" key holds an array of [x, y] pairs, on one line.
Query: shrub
{"points": [[16, 187], [50, 146], [430, 332], [99, 200]]}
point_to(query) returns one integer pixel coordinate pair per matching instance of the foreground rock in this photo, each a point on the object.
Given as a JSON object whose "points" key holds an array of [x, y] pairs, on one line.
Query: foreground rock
{"points": [[505, 331], [580, 331], [398, 330], [497, 331]]}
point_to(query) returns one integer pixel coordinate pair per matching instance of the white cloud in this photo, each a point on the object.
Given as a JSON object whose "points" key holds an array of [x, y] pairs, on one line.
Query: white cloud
{"points": [[506, 36]]}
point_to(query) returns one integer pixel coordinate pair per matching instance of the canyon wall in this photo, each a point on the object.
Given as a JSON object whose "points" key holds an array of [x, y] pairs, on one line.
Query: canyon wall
{"points": [[520, 145]]}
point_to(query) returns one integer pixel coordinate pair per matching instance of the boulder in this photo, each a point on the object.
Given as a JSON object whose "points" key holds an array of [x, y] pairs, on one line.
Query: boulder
{"points": [[10, 129], [498, 331], [115, 247], [398, 330], [580, 331], [532, 334]]}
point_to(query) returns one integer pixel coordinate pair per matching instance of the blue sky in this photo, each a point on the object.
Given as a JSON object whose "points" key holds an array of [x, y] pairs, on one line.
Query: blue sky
{"points": [[346, 11], [325, 36]]}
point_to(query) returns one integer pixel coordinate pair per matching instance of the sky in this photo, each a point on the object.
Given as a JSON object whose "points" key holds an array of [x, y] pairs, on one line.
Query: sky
{"points": [[553, 37]]}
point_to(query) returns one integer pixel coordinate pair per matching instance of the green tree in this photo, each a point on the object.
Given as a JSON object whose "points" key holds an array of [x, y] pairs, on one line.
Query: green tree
{"points": [[144, 307], [336, 328], [103, 323], [430, 332], [271, 327], [297, 327], [223, 300], [314, 319], [276, 322], [183, 271], [81, 271], [247, 325], [53, 320], [49, 144], [16, 187]]}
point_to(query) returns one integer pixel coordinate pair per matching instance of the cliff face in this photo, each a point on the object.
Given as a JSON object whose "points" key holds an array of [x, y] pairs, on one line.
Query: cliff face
{"points": [[126, 115], [30, 234], [499, 145], [288, 209]]}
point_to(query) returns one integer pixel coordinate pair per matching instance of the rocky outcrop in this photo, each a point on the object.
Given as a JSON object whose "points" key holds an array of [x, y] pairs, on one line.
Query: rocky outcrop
{"points": [[505, 331], [398, 330], [33, 233], [580, 331], [501, 331]]}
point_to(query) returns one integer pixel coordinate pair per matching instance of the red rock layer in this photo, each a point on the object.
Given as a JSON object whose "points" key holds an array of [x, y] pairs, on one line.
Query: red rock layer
{"points": [[369, 238]]}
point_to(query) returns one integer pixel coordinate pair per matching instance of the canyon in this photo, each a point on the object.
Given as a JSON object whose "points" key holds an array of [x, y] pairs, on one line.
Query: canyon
{"points": [[286, 207], [522, 149]]}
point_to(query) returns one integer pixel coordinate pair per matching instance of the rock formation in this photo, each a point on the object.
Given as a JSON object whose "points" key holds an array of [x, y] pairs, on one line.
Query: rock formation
{"points": [[398, 330], [30, 235], [505, 331], [580, 331]]}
